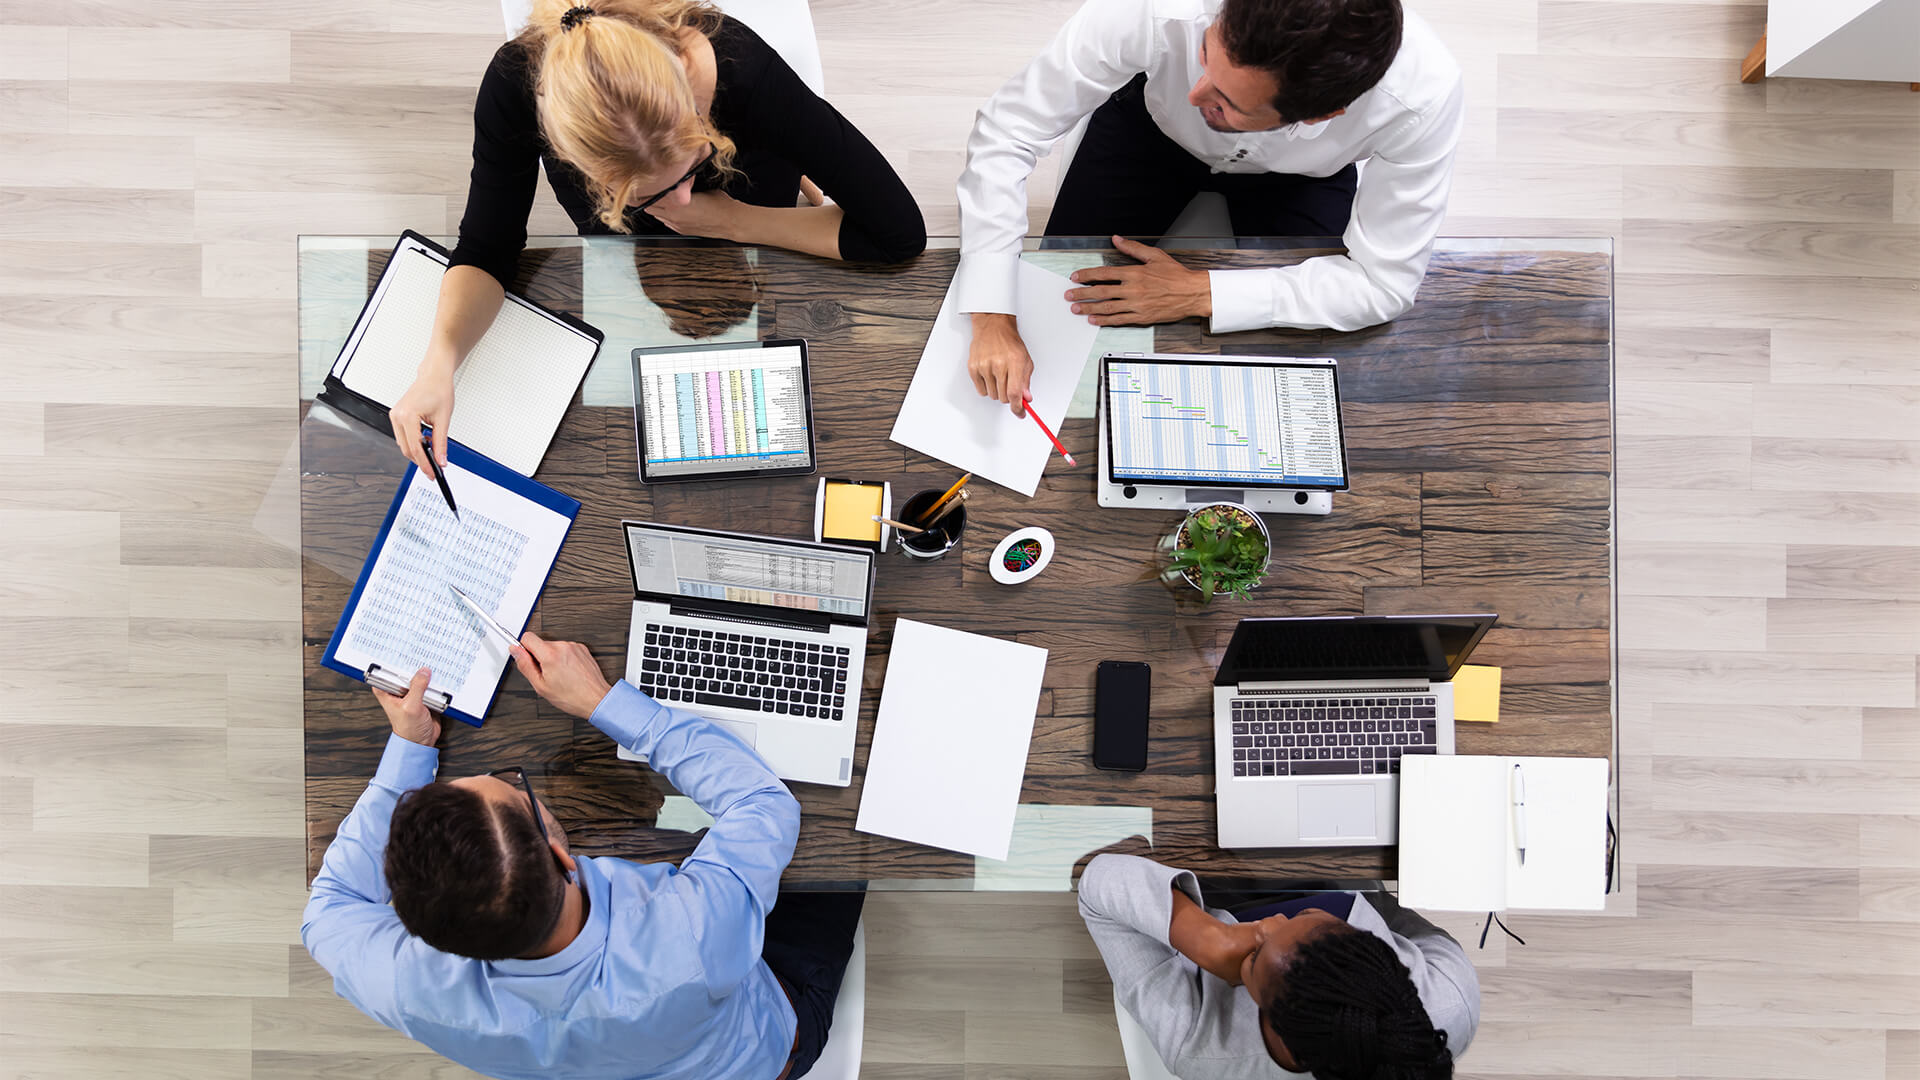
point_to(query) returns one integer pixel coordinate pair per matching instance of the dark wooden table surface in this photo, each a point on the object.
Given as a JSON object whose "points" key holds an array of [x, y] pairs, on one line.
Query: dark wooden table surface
{"points": [[1480, 438]]}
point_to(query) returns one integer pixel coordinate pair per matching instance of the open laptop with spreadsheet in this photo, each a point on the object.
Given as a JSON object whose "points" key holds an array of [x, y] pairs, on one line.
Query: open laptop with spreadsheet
{"points": [[1311, 717], [767, 636]]}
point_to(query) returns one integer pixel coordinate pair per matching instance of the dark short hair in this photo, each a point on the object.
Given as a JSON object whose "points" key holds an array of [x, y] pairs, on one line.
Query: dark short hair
{"points": [[1346, 1008], [1323, 53], [470, 876]]}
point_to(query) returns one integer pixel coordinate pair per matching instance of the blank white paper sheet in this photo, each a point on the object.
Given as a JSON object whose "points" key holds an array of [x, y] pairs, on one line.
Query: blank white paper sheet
{"points": [[943, 416], [950, 742]]}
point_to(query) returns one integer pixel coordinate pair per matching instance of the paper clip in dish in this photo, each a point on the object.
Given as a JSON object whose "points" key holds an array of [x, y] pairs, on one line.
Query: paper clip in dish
{"points": [[382, 679]]}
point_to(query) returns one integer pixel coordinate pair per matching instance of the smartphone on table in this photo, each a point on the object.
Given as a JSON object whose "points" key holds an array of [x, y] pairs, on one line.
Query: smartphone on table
{"points": [[1121, 695]]}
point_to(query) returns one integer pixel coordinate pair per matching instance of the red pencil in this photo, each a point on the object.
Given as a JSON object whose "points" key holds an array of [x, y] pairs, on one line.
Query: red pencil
{"points": [[1028, 406]]}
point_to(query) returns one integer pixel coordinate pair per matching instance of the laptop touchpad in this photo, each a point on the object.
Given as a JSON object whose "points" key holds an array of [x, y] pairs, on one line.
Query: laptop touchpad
{"points": [[1337, 812], [741, 728]]}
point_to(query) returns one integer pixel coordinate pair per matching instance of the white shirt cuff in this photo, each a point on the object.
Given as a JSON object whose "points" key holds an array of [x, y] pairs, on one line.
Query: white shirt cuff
{"points": [[1241, 300], [987, 281]]}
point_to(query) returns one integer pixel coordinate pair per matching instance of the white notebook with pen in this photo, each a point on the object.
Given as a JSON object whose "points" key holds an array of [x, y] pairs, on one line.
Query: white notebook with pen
{"points": [[511, 391], [1463, 820]]}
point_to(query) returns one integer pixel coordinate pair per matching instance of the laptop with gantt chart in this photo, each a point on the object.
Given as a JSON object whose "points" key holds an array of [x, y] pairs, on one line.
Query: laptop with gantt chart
{"points": [[766, 636], [1312, 716]]}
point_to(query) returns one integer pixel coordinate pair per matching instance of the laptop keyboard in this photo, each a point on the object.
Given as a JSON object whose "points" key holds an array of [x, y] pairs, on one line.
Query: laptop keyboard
{"points": [[745, 671], [1358, 735]]}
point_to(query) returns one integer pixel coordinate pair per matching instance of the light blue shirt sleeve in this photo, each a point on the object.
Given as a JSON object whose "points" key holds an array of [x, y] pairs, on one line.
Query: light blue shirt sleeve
{"points": [[348, 927], [730, 881]]}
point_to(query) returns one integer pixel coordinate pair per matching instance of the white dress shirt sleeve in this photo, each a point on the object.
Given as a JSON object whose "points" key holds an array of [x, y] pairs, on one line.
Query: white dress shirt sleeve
{"points": [[1104, 44], [1397, 211]]}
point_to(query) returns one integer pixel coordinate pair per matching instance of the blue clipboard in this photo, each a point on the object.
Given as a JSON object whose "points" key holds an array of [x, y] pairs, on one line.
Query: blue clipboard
{"points": [[488, 469]]}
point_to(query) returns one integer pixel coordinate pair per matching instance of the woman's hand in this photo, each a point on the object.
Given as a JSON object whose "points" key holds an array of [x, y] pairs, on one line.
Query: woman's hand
{"points": [[428, 401], [1214, 946], [705, 213]]}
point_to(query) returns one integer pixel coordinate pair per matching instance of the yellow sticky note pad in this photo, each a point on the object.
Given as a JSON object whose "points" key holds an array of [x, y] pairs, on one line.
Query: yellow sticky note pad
{"points": [[1476, 694], [849, 512]]}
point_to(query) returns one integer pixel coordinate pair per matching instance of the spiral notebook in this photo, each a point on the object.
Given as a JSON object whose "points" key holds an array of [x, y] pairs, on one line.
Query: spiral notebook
{"points": [[510, 393]]}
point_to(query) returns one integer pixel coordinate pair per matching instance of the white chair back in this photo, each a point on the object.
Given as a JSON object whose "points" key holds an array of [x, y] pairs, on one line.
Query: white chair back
{"points": [[1143, 1061], [786, 25], [841, 1058]]}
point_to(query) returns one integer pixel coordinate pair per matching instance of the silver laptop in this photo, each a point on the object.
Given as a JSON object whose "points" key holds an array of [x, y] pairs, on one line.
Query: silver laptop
{"points": [[1312, 716], [1178, 432], [766, 636]]}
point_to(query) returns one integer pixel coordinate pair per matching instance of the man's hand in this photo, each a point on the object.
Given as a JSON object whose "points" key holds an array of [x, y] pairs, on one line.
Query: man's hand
{"points": [[707, 213], [428, 400], [409, 715], [1159, 290], [563, 672], [998, 361]]}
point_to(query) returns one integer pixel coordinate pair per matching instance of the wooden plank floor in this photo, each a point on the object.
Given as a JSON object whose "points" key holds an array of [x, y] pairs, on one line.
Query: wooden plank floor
{"points": [[1769, 365]]}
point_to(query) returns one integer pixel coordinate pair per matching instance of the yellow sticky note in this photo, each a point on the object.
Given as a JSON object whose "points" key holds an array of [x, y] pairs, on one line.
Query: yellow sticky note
{"points": [[849, 512], [1476, 694]]}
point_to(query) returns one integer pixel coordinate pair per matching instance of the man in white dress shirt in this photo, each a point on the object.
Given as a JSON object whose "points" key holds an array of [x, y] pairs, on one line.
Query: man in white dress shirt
{"points": [[1270, 102]]}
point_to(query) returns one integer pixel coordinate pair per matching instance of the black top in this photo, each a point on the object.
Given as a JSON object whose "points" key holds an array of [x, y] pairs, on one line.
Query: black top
{"points": [[781, 128]]}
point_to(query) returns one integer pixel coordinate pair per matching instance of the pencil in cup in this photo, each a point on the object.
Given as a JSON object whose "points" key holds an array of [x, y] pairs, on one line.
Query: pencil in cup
{"points": [[942, 531], [940, 504]]}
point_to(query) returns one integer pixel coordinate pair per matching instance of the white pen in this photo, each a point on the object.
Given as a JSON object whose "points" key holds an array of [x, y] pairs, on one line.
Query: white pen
{"points": [[1520, 812], [489, 621]]}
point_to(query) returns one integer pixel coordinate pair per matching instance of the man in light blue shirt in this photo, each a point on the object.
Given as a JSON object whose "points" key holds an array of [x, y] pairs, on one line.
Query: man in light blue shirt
{"points": [[475, 931]]}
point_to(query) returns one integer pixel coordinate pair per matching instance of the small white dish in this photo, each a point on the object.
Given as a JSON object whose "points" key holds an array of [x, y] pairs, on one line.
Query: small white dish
{"points": [[1024, 566]]}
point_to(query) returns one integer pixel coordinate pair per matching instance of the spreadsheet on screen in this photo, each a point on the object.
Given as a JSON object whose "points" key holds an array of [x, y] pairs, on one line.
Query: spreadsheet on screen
{"points": [[733, 409], [1257, 424]]}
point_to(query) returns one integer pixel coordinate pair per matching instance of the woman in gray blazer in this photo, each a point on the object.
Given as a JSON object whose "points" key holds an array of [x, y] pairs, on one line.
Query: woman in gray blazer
{"points": [[1352, 987]]}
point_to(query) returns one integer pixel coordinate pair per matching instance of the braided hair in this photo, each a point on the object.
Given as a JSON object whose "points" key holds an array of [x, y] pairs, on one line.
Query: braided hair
{"points": [[1346, 1008]]}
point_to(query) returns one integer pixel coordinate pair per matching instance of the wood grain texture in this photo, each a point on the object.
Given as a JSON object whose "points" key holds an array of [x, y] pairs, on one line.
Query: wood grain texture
{"points": [[1482, 482]]}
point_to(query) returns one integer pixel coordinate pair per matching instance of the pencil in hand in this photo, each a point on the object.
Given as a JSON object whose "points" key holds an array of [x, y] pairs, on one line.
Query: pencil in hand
{"points": [[1027, 405]]}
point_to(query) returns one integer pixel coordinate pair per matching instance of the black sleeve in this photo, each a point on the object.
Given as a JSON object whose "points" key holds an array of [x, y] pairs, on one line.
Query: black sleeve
{"points": [[882, 222], [506, 168]]}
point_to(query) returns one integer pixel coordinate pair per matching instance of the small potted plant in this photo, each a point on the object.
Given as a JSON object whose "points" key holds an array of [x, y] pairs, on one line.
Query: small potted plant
{"points": [[1219, 548]]}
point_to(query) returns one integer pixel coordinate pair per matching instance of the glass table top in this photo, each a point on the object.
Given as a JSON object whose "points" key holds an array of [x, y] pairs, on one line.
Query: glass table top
{"points": [[1479, 438]]}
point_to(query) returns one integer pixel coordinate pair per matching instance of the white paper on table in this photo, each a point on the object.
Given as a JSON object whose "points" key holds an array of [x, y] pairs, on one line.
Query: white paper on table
{"points": [[950, 742], [943, 415], [499, 552]]}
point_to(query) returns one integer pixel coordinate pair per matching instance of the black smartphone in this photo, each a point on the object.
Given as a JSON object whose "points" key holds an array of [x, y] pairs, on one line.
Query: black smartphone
{"points": [[1121, 692]]}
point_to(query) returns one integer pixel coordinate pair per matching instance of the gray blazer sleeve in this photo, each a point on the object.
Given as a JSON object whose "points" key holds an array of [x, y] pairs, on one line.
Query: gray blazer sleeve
{"points": [[1127, 903], [1202, 1027]]}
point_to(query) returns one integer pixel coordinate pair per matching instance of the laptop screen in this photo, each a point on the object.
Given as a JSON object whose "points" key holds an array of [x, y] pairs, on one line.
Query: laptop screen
{"points": [[1245, 422], [1430, 647], [672, 562]]}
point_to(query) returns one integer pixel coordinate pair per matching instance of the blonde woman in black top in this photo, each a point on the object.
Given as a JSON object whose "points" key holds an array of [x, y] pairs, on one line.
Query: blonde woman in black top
{"points": [[653, 117]]}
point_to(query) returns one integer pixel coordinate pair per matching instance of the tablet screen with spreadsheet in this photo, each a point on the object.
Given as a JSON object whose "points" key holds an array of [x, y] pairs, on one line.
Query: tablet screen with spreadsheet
{"points": [[723, 411], [1238, 421]]}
